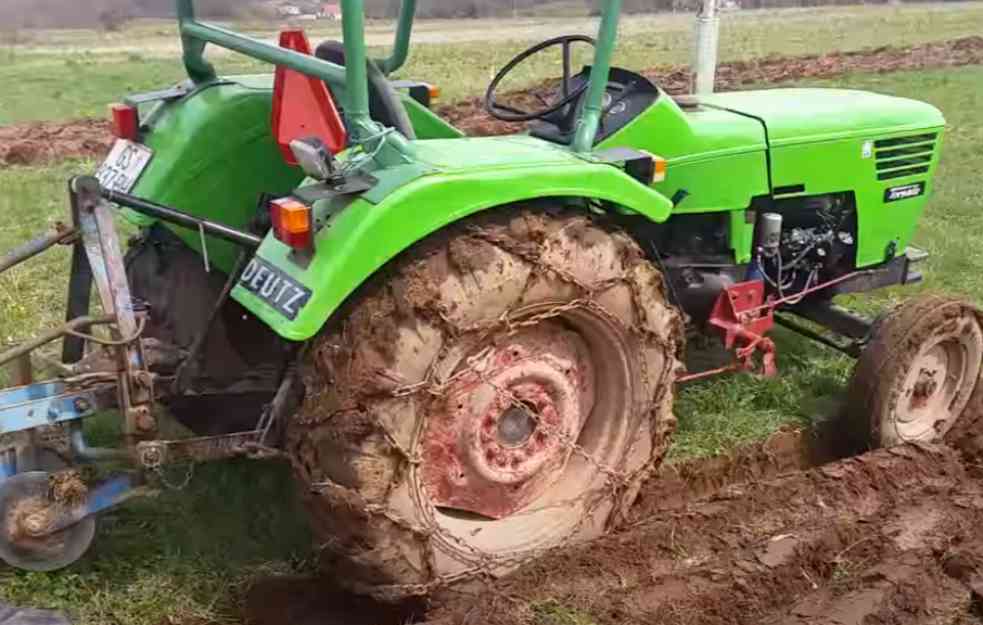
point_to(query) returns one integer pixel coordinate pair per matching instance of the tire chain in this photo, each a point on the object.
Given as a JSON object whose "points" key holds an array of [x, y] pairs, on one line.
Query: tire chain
{"points": [[483, 564]]}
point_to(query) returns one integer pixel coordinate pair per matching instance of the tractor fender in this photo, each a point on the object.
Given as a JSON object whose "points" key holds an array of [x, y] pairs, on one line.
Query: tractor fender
{"points": [[359, 237]]}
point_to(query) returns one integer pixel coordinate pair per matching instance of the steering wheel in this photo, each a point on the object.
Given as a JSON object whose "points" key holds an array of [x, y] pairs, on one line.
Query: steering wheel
{"points": [[512, 114]]}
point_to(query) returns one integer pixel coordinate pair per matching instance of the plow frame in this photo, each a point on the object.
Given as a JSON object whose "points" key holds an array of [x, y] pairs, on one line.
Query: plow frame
{"points": [[123, 381]]}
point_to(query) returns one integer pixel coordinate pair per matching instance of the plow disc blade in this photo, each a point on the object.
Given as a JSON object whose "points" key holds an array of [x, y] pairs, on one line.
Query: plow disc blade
{"points": [[24, 501]]}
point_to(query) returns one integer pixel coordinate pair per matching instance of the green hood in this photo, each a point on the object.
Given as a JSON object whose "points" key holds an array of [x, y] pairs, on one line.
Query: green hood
{"points": [[807, 115]]}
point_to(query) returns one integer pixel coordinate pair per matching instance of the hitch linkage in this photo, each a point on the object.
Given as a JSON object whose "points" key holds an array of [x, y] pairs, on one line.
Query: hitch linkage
{"points": [[89, 384]]}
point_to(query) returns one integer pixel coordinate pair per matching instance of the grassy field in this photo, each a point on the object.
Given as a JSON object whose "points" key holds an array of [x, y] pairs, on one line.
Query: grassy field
{"points": [[63, 74], [187, 556]]}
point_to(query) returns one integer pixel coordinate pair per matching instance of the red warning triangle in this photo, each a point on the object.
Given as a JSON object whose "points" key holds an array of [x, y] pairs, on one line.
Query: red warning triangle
{"points": [[302, 105]]}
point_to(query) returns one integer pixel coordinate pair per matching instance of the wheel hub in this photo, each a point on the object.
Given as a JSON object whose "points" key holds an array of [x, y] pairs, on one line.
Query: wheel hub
{"points": [[934, 384], [925, 387], [508, 422], [516, 425]]}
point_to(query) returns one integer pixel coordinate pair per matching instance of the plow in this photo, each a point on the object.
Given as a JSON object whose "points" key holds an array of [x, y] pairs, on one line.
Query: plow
{"points": [[466, 348]]}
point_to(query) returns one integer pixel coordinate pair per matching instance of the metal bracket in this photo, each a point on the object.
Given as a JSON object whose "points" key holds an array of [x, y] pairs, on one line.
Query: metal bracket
{"points": [[743, 318], [49, 403], [154, 454], [101, 242]]}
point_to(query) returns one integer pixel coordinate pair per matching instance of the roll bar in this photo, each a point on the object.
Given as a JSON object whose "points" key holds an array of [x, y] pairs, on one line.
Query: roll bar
{"points": [[353, 78], [196, 35]]}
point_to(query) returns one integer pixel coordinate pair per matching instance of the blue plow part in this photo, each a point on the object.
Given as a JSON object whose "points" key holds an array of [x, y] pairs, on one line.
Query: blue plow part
{"points": [[8, 463], [109, 494], [46, 403]]}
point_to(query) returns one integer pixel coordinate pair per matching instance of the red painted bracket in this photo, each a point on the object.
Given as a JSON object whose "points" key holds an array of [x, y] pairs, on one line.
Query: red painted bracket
{"points": [[302, 105], [743, 318]]}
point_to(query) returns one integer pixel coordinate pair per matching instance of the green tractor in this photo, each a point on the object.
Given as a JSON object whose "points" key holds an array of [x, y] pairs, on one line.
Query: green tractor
{"points": [[466, 348]]}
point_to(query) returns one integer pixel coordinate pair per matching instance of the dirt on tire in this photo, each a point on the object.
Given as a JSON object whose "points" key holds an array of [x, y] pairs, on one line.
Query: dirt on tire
{"points": [[445, 340], [879, 406]]}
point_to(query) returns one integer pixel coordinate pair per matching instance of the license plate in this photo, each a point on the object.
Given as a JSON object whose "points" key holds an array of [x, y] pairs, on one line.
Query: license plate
{"points": [[124, 165], [276, 288]]}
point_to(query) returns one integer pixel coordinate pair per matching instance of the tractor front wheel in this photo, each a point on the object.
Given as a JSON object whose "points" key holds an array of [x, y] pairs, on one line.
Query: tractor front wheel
{"points": [[919, 378], [500, 389]]}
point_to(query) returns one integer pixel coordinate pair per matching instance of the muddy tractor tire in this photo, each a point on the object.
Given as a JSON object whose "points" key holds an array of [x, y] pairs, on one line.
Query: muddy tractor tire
{"points": [[920, 378], [502, 388]]}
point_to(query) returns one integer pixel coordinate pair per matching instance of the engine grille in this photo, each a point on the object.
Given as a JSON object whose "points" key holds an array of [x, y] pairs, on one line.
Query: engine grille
{"points": [[904, 156]]}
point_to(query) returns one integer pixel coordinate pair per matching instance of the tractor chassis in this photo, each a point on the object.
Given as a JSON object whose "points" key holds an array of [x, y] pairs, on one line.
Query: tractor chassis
{"points": [[122, 375]]}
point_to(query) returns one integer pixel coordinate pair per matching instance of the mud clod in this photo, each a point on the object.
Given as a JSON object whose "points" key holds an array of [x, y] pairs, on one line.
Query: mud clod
{"points": [[41, 142], [863, 540], [763, 538]]}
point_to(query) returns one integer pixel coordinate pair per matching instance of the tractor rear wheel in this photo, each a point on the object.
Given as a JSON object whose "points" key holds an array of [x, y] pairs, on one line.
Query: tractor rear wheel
{"points": [[502, 388], [919, 378]]}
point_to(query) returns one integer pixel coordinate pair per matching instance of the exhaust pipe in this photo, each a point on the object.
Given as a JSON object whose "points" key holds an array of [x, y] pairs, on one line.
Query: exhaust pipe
{"points": [[705, 48]]}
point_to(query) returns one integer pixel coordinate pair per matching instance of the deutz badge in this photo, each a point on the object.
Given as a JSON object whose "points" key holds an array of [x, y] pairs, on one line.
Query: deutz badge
{"points": [[273, 286], [868, 149]]}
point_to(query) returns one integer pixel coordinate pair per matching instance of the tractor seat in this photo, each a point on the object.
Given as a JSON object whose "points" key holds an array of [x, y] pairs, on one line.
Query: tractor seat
{"points": [[385, 104]]}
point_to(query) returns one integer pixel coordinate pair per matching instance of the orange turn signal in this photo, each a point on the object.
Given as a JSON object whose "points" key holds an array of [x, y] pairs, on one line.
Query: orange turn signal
{"points": [[434, 91], [292, 222], [661, 166]]}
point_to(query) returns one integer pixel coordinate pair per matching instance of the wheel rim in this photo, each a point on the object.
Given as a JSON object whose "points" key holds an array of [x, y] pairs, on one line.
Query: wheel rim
{"points": [[939, 383], [516, 450]]}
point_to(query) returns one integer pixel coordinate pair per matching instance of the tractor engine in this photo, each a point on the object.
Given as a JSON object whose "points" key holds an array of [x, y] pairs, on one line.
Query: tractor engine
{"points": [[803, 242], [799, 243]]}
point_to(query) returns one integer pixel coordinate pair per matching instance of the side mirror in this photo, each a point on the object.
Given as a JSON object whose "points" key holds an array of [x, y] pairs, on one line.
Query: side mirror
{"points": [[313, 157]]}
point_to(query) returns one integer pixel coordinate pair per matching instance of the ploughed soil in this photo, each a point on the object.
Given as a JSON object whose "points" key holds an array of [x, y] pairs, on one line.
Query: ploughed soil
{"points": [[39, 142], [894, 536], [773, 533], [778, 532]]}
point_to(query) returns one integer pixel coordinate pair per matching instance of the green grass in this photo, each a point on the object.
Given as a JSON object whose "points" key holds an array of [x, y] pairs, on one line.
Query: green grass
{"points": [[65, 74], [554, 613], [33, 199], [183, 554], [186, 556]]}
